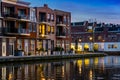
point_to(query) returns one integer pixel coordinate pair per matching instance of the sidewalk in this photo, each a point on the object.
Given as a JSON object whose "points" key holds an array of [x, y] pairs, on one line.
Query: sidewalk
{"points": [[48, 57]]}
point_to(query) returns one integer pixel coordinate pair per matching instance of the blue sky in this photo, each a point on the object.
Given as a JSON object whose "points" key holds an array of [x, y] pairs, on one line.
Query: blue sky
{"points": [[100, 10]]}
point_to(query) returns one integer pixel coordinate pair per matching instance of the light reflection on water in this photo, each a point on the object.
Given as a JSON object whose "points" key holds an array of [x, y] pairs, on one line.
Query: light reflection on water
{"points": [[99, 68]]}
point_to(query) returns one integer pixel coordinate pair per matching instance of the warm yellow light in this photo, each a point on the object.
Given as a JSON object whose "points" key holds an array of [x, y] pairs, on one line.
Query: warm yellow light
{"points": [[90, 38], [40, 28], [86, 46], [43, 29], [87, 61], [48, 28], [52, 29], [96, 46], [79, 62], [91, 75], [96, 61], [73, 47]]}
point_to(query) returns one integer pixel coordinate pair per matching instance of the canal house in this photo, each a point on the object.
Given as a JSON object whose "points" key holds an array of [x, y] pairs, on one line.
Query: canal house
{"points": [[15, 30], [29, 30], [63, 24], [93, 36]]}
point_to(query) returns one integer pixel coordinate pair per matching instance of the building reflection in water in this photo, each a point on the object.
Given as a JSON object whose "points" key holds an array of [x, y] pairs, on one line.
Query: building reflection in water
{"points": [[82, 69]]}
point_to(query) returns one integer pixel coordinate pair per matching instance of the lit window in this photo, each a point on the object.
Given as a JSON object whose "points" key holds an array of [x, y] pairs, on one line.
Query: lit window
{"points": [[52, 29], [49, 29], [115, 46], [109, 46], [43, 29]]}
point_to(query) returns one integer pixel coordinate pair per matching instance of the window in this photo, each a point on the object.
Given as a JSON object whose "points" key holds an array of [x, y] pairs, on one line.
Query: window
{"points": [[19, 44], [49, 30], [32, 45], [42, 29], [65, 20], [112, 46], [48, 16], [52, 17], [34, 28], [30, 27], [52, 29]]}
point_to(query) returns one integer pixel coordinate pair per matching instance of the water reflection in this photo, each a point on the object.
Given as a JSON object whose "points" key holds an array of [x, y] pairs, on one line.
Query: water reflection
{"points": [[99, 68]]}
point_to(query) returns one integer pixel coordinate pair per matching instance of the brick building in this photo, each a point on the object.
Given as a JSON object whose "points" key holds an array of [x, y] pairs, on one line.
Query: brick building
{"points": [[25, 28], [93, 36], [63, 22]]}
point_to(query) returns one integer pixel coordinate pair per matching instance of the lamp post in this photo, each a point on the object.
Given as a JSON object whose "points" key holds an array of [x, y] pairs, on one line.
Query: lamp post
{"points": [[91, 41], [80, 44]]}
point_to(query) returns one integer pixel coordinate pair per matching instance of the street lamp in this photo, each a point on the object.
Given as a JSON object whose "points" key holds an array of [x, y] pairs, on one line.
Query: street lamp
{"points": [[91, 46]]}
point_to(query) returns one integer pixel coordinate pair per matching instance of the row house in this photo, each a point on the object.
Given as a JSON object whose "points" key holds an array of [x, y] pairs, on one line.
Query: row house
{"points": [[18, 31], [93, 36], [63, 36], [46, 27], [24, 28], [53, 28]]}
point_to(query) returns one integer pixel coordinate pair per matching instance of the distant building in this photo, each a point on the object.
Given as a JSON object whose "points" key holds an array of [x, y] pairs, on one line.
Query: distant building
{"points": [[87, 36]]}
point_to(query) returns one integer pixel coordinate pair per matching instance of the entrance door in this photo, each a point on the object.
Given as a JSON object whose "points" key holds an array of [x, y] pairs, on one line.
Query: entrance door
{"points": [[26, 46], [3, 48]]}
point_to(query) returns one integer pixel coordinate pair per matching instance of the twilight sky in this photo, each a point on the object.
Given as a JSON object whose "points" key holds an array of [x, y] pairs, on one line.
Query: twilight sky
{"points": [[100, 10]]}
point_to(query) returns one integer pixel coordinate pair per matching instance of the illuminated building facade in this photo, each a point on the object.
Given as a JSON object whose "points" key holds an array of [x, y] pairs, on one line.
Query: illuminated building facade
{"points": [[28, 29], [93, 36]]}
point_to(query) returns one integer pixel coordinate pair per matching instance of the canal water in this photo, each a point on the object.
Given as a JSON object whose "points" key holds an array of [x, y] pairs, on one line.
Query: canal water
{"points": [[98, 68]]}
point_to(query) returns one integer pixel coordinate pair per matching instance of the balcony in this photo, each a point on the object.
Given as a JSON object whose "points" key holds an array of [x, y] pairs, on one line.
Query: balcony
{"points": [[60, 35], [10, 15], [16, 16], [61, 24], [24, 17], [15, 31]]}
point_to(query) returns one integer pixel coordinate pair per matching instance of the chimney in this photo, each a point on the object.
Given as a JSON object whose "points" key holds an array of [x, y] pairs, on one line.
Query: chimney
{"points": [[45, 5]]}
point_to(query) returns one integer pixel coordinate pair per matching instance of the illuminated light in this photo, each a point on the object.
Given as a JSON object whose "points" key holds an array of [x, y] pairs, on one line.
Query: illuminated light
{"points": [[87, 61], [40, 29], [49, 29], [10, 76], [79, 62], [96, 46], [73, 47], [43, 29], [42, 79], [43, 35], [52, 29], [90, 38], [86, 46], [63, 71], [79, 47], [91, 75], [96, 61]]}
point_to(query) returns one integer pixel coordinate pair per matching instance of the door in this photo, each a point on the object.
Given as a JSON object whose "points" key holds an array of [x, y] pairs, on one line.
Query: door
{"points": [[3, 48], [26, 46]]}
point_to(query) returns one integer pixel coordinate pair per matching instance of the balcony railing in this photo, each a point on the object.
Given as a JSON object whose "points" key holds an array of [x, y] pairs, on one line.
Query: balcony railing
{"points": [[15, 31], [61, 34], [13, 15], [6, 14], [60, 23]]}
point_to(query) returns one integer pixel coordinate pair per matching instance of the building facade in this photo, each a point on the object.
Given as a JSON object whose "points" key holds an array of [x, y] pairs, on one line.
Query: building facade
{"points": [[63, 36], [45, 28], [93, 36], [27, 29]]}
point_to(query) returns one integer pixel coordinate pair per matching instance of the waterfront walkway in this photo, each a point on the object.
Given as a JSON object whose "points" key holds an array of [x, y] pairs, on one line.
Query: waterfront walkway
{"points": [[48, 57]]}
